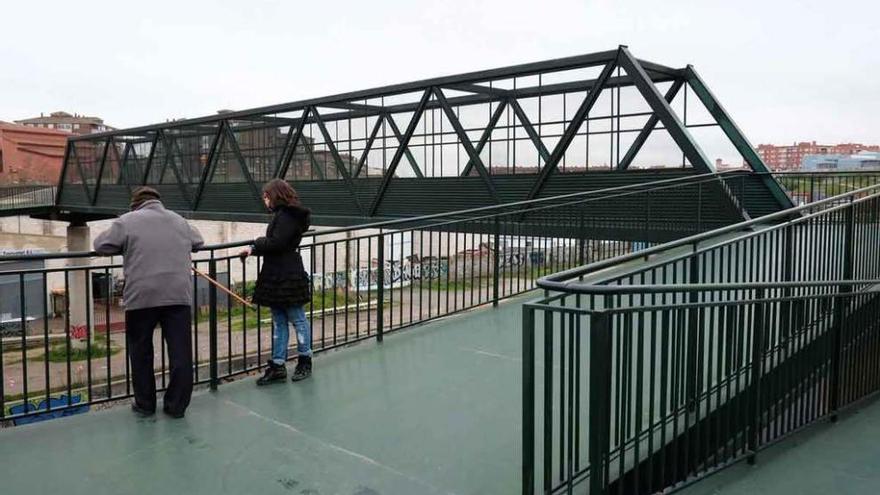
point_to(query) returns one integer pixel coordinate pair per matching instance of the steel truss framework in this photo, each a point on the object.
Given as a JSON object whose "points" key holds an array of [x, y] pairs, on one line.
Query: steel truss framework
{"points": [[359, 140]]}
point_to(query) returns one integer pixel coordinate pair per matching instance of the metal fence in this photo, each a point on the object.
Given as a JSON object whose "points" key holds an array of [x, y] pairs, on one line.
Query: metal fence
{"points": [[367, 281], [641, 377], [20, 197]]}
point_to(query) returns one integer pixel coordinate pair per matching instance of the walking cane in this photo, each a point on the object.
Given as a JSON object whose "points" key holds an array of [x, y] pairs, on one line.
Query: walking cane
{"points": [[224, 289]]}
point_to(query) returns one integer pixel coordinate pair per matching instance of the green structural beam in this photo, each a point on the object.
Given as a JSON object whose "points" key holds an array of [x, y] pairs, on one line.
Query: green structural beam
{"points": [[735, 135]]}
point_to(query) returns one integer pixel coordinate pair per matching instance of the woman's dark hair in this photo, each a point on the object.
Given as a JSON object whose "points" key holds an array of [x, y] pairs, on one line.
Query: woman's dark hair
{"points": [[280, 193]]}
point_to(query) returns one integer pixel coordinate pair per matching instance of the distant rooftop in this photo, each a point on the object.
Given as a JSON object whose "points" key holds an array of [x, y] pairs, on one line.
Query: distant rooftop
{"points": [[62, 117]]}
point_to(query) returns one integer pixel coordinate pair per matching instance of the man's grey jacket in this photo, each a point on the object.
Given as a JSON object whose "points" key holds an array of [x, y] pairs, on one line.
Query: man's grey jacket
{"points": [[156, 245]]}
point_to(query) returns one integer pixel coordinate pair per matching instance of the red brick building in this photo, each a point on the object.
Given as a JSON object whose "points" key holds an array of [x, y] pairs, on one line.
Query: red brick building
{"points": [[63, 121], [30, 155], [791, 157]]}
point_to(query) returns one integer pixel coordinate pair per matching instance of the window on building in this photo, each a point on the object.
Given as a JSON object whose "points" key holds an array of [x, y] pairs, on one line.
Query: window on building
{"points": [[75, 127]]}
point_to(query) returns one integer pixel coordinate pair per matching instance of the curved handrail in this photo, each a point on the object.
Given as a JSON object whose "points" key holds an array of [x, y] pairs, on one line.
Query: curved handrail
{"points": [[561, 281]]}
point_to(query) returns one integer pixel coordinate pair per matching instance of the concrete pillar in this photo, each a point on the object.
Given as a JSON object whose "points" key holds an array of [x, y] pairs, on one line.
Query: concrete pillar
{"points": [[78, 239]]}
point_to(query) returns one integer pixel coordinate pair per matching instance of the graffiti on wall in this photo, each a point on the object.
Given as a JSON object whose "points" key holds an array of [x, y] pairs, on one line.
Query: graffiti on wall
{"points": [[397, 273], [53, 403]]}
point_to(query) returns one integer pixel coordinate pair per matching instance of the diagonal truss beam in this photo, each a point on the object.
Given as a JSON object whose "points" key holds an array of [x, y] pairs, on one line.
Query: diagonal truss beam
{"points": [[409, 156], [316, 167], [210, 163], [398, 154], [369, 145], [648, 128], [466, 142], [233, 143], [82, 176], [487, 133], [170, 145], [150, 156], [64, 168], [530, 130], [661, 108], [337, 159], [571, 131], [510, 99], [101, 169], [736, 136], [123, 175], [293, 136]]}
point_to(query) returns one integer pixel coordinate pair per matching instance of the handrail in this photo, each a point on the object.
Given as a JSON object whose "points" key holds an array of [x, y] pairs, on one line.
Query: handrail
{"points": [[690, 288], [557, 281], [507, 207]]}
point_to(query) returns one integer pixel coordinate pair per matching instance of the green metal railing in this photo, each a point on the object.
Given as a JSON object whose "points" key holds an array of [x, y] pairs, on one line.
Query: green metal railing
{"points": [[367, 281], [639, 377], [26, 197]]}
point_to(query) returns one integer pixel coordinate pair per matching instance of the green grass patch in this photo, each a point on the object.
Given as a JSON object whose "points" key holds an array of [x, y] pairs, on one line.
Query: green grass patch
{"points": [[59, 353]]}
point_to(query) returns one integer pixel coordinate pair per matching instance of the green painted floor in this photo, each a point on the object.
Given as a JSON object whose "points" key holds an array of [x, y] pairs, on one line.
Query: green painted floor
{"points": [[840, 458], [434, 409]]}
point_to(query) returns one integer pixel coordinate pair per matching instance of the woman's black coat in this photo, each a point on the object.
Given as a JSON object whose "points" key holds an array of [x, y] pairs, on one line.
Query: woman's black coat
{"points": [[283, 281]]}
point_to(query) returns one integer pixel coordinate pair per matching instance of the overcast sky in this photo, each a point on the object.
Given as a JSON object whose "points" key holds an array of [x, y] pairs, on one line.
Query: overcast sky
{"points": [[786, 70]]}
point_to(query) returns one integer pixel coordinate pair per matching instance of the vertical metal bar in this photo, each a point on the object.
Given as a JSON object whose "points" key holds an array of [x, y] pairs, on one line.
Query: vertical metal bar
{"points": [[45, 340], [67, 334], [528, 401], [496, 276], [380, 309], [212, 324], [757, 370], [840, 311], [109, 292], [23, 323], [548, 403], [600, 399]]}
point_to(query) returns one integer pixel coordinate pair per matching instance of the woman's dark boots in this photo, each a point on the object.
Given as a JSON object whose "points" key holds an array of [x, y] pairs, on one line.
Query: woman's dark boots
{"points": [[303, 368], [274, 373]]}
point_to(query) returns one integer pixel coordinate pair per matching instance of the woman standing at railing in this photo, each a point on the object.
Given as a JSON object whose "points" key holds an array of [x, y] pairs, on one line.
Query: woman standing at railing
{"points": [[283, 284]]}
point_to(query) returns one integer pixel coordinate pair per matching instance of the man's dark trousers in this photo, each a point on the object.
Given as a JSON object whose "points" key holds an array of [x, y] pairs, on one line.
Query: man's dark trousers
{"points": [[176, 330]]}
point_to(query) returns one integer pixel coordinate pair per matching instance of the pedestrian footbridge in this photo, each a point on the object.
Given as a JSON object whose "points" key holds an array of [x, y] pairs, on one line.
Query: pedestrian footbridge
{"points": [[491, 327]]}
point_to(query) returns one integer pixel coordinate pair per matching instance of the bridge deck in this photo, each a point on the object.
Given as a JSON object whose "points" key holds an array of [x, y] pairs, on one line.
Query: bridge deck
{"points": [[827, 458], [435, 409]]}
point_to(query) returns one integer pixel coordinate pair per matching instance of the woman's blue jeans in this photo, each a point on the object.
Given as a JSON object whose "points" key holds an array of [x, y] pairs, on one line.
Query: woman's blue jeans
{"points": [[282, 318]]}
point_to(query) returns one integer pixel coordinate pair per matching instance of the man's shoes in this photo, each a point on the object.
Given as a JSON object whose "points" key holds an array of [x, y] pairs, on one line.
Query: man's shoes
{"points": [[274, 373], [141, 411], [303, 368], [175, 415]]}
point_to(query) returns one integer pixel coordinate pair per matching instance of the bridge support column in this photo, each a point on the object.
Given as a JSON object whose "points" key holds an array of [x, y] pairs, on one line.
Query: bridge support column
{"points": [[79, 290]]}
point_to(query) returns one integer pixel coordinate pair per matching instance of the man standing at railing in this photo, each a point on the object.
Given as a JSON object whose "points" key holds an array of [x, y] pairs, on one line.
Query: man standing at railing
{"points": [[156, 245]]}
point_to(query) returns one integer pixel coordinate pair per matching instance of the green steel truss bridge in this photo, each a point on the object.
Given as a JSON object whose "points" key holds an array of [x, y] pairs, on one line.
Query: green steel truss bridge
{"points": [[452, 143]]}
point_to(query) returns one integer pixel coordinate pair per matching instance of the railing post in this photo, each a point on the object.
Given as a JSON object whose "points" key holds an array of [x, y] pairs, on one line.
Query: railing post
{"points": [[757, 370], [787, 276], [212, 323], [840, 310], [528, 401], [496, 277], [693, 369], [600, 399], [812, 188], [380, 283]]}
